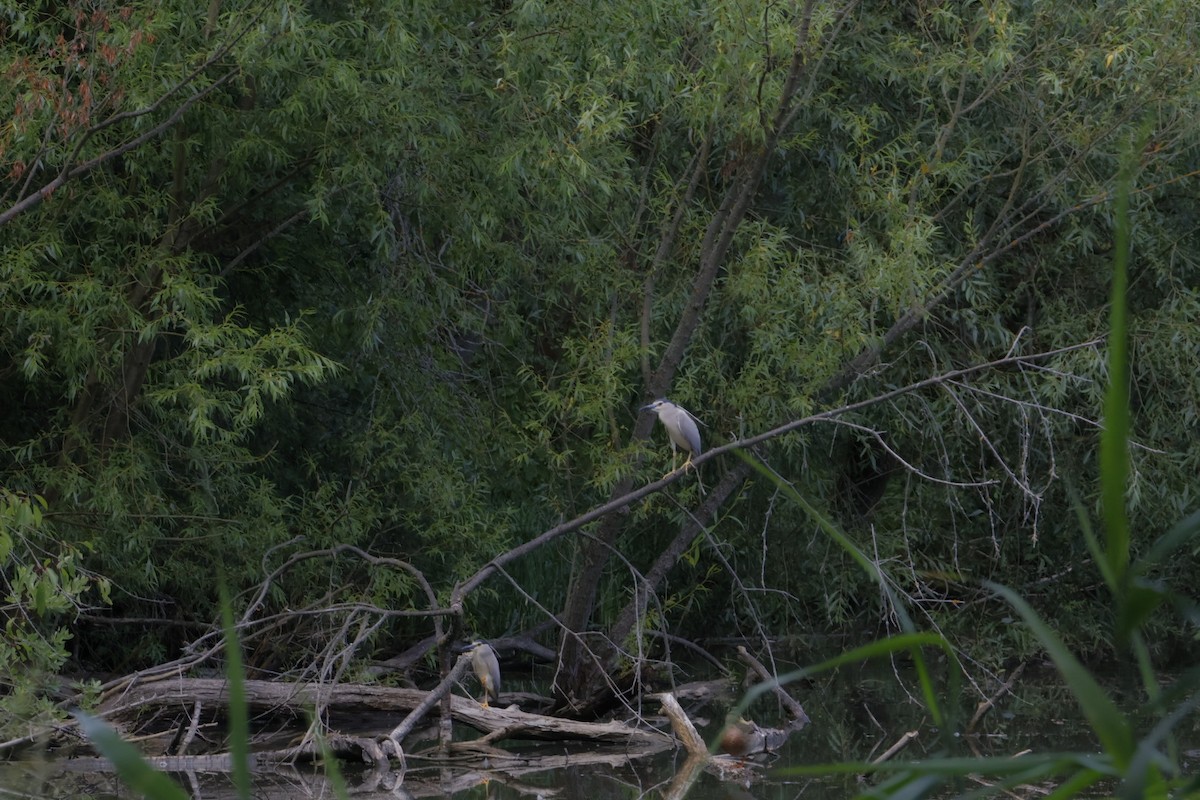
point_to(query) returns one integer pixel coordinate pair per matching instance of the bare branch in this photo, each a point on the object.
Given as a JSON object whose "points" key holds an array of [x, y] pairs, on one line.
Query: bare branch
{"points": [[32, 200], [259, 242], [69, 172], [891, 451], [619, 503], [249, 619], [437, 693]]}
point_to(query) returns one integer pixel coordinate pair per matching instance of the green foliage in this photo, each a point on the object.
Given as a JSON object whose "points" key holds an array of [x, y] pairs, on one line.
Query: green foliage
{"points": [[239, 718], [45, 587], [1143, 764], [1110, 726], [399, 285]]}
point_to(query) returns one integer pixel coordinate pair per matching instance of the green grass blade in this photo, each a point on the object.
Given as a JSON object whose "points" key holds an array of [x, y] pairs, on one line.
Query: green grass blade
{"points": [[824, 523], [134, 769], [1114, 437], [873, 570], [912, 785], [1181, 533], [910, 643], [1075, 785], [1095, 548], [1018, 783], [1150, 763], [1140, 600], [239, 721], [900, 643], [1110, 726], [334, 772], [834, 532]]}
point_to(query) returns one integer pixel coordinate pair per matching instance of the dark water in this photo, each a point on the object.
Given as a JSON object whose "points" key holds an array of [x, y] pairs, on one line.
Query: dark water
{"points": [[856, 716]]}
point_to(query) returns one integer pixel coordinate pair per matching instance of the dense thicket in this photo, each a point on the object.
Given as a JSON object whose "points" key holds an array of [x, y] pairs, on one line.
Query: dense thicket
{"points": [[280, 276]]}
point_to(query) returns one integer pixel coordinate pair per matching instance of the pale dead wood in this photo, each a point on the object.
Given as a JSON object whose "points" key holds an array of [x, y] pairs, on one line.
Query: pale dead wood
{"points": [[900, 744], [685, 731], [493, 762], [719, 690], [260, 695], [726, 767], [988, 704], [193, 727], [799, 717], [681, 784], [517, 723], [425, 706], [302, 697], [498, 767]]}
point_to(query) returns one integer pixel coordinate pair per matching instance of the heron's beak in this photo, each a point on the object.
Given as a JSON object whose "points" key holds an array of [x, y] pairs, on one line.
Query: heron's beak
{"points": [[645, 407]]}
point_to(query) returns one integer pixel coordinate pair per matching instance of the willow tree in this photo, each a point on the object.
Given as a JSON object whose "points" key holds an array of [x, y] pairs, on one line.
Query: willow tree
{"points": [[398, 277], [162, 166], [827, 200]]}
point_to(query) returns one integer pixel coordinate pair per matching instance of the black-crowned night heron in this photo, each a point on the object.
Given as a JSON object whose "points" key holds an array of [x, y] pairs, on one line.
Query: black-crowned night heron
{"points": [[681, 428], [486, 667]]}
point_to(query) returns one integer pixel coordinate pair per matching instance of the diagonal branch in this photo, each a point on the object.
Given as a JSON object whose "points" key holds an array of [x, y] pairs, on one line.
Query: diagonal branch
{"points": [[69, 172], [619, 504]]}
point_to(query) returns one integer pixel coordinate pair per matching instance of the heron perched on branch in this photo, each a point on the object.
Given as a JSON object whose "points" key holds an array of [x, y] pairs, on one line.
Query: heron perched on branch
{"points": [[486, 667], [681, 429]]}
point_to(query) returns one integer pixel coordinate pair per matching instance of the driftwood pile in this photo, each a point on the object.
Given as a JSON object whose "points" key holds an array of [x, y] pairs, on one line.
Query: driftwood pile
{"points": [[178, 722]]}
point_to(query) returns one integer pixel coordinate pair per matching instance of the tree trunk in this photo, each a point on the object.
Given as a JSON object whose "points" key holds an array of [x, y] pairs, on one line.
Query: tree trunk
{"points": [[580, 670]]}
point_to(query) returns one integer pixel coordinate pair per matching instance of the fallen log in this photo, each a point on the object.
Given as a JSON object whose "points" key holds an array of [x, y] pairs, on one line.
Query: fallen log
{"points": [[299, 699], [260, 695]]}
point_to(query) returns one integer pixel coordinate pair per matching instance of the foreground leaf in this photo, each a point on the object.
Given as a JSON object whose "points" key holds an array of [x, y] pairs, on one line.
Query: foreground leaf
{"points": [[134, 769], [1109, 724]]}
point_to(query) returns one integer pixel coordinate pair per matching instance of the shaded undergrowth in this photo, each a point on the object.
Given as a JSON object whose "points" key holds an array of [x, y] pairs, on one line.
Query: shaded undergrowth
{"points": [[1135, 759]]}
